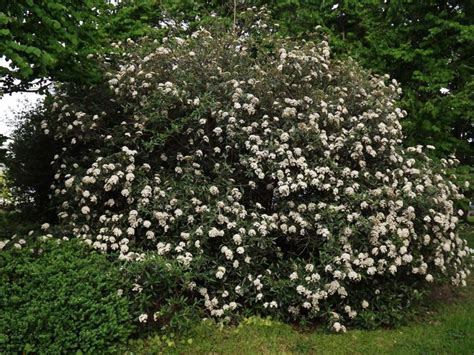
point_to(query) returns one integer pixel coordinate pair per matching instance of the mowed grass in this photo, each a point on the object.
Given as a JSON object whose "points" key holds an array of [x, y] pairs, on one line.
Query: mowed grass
{"points": [[447, 329]]}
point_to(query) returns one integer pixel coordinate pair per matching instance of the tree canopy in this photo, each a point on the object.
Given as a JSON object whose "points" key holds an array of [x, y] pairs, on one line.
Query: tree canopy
{"points": [[49, 40]]}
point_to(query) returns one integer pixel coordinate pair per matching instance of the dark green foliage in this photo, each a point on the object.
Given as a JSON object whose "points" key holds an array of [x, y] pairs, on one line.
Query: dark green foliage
{"points": [[15, 222], [132, 19], [427, 46], [49, 39], [60, 298], [161, 289], [137, 18], [29, 172], [3, 150]]}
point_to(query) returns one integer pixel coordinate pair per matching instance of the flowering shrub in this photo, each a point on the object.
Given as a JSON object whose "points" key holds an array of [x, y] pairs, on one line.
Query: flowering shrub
{"points": [[271, 173]]}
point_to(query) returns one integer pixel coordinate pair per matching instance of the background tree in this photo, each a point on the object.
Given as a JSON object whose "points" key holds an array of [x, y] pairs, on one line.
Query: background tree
{"points": [[28, 159], [49, 39], [3, 149]]}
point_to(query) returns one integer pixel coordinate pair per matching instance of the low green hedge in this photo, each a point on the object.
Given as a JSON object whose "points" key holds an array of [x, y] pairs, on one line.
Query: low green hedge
{"points": [[61, 298]]}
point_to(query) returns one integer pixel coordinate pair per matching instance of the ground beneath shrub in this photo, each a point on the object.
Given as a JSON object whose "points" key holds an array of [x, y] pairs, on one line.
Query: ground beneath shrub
{"points": [[447, 329]]}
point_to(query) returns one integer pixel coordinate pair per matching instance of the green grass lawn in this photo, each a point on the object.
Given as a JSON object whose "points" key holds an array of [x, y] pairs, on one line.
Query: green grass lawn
{"points": [[447, 329]]}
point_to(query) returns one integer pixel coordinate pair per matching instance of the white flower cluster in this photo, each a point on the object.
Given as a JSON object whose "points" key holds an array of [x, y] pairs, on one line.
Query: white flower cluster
{"points": [[284, 174]]}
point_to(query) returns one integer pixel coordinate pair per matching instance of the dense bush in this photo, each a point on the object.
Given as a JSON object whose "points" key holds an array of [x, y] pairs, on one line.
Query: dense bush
{"points": [[28, 170], [60, 298], [14, 222], [274, 175]]}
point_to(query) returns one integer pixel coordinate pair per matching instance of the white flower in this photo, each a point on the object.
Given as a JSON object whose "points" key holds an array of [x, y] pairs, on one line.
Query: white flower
{"points": [[69, 182], [371, 270], [294, 276], [365, 304], [217, 131], [284, 190], [429, 278], [214, 190], [237, 239], [85, 210], [392, 269], [289, 112], [214, 232], [143, 318], [338, 327], [220, 272], [284, 137]]}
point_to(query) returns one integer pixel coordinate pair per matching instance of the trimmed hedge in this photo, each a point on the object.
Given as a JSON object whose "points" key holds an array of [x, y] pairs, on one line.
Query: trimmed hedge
{"points": [[59, 297]]}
